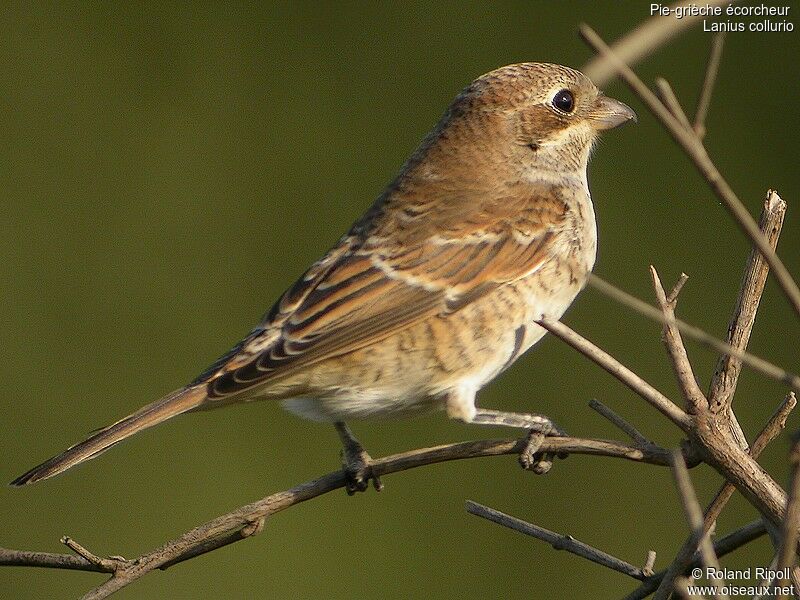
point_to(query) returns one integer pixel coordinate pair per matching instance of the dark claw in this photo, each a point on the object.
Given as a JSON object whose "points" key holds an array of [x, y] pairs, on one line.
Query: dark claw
{"points": [[358, 472]]}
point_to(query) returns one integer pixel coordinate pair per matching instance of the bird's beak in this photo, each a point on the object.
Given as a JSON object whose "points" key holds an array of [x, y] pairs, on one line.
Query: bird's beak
{"points": [[609, 113]]}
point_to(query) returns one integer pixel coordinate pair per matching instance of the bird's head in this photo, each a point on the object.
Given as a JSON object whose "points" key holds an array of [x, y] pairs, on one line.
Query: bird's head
{"points": [[536, 115]]}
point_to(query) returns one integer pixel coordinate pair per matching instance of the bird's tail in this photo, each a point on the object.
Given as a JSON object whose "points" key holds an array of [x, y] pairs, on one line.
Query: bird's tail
{"points": [[159, 411]]}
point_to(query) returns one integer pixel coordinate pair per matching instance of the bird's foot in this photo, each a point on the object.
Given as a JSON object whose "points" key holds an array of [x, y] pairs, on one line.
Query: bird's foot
{"points": [[356, 463], [531, 459], [357, 467], [538, 426]]}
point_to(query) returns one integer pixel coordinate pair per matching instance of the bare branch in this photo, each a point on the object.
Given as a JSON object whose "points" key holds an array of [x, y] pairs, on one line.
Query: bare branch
{"points": [[50, 560], [107, 565], [695, 401], [739, 537], [670, 100], [754, 362], [248, 520], [658, 400], [712, 68], [726, 375], [687, 554], [643, 41], [694, 149], [789, 529], [771, 430], [694, 517], [672, 297], [556, 540], [649, 563], [619, 422]]}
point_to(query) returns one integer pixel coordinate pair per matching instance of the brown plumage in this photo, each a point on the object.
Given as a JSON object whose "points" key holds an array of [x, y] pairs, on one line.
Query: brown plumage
{"points": [[436, 289]]}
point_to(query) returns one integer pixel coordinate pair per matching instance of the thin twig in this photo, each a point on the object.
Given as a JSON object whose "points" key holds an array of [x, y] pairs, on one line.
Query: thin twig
{"points": [[644, 40], [247, 520], [695, 401], [556, 540], [694, 517], [712, 69], [649, 563], [789, 529], [672, 297], [726, 375], [619, 422], [739, 537], [704, 339], [50, 560], [670, 100], [694, 149], [658, 400], [687, 553], [102, 564], [722, 547]]}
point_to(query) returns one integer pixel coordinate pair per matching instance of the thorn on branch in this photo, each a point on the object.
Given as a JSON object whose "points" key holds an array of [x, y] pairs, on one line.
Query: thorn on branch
{"points": [[106, 564], [672, 297], [649, 563], [619, 422], [695, 400]]}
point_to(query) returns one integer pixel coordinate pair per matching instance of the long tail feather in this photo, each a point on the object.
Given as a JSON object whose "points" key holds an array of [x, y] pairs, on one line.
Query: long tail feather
{"points": [[159, 411]]}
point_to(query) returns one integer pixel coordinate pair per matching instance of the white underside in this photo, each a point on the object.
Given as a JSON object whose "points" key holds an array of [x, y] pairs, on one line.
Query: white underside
{"points": [[415, 393]]}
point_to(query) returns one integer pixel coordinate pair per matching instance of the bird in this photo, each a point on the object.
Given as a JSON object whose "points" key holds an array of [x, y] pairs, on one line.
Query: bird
{"points": [[488, 228]]}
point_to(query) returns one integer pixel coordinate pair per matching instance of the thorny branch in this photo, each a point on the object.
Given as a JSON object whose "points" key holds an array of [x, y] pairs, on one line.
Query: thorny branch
{"points": [[694, 516], [249, 520], [694, 149], [713, 430], [707, 420]]}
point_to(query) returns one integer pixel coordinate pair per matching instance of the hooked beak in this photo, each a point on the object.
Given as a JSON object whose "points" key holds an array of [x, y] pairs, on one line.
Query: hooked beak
{"points": [[609, 113]]}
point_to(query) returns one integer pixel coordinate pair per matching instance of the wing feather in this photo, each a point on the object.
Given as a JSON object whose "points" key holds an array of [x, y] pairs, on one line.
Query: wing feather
{"points": [[360, 294]]}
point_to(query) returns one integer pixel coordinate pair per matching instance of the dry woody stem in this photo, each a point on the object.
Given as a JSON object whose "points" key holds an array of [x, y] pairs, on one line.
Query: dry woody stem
{"points": [[695, 150], [706, 421]]}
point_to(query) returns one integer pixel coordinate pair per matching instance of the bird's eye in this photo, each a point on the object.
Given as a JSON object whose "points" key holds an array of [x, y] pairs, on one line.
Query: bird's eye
{"points": [[564, 101]]}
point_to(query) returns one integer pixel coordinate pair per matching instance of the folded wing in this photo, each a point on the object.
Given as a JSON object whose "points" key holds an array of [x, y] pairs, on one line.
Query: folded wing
{"points": [[362, 293]]}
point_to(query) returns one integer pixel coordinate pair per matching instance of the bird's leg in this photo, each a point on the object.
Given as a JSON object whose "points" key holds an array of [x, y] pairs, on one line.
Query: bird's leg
{"points": [[356, 462], [534, 422], [538, 427], [461, 405]]}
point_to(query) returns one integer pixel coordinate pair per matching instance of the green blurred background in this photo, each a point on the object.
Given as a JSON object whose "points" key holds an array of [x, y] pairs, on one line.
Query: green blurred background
{"points": [[172, 168]]}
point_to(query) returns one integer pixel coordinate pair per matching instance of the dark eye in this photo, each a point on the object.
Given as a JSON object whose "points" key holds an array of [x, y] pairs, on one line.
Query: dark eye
{"points": [[564, 101]]}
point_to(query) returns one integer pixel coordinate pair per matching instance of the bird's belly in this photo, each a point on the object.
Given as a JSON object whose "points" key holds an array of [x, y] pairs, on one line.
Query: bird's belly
{"points": [[413, 370]]}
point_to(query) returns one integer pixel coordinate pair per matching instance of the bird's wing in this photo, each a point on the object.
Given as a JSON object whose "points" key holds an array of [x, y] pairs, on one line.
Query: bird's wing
{"points": [[361, 293]]}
